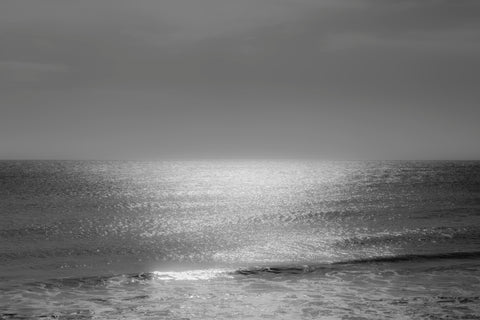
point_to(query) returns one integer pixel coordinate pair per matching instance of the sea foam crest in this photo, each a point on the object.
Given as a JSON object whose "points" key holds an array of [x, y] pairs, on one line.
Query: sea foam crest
{"points": [[192, 274]]}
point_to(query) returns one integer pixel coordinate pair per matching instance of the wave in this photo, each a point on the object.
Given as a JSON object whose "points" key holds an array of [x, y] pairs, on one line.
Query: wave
{"points": [[414, 257], [131, 278], [326, 267], [208, 274]]}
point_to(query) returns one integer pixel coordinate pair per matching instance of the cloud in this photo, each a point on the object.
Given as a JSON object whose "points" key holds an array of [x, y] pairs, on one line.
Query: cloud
{"points": [[18, 72], [32, 66], [227, 72], [330, 45]]}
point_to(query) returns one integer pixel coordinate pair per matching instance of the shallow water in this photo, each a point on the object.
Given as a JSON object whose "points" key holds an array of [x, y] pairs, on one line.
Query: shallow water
{"points": [[245, 239]]}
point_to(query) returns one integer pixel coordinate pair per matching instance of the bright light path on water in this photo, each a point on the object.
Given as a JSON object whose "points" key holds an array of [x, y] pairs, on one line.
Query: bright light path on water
{"points": [[244, 212]]}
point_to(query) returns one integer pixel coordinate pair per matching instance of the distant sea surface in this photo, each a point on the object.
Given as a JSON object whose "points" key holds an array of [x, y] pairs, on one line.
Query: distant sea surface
{"points": [[239, 240]]}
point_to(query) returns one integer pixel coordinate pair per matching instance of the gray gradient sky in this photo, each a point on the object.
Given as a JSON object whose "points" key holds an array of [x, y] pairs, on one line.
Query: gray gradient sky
{"points": [[377, 79]]}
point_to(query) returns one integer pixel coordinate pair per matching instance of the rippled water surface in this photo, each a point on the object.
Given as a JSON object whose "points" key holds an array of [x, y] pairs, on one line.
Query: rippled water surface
{"points": [[239, 239]]}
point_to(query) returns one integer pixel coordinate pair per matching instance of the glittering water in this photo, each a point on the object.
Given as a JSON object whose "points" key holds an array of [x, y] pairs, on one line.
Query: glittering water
{"points": [[246, 239]]}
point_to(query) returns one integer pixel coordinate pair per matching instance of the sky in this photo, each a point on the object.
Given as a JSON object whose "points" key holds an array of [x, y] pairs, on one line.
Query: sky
{"points": [[156, 79]]}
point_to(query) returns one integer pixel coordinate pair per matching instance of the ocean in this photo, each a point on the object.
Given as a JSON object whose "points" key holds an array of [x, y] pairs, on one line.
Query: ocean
{"points": [[239, 240]]}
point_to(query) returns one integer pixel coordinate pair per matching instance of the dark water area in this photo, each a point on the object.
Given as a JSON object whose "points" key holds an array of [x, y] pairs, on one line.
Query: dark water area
{"points": [[239, 239]]}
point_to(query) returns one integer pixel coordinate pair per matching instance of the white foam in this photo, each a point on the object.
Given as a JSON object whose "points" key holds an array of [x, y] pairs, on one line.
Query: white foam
{"points": [[192, 274]]}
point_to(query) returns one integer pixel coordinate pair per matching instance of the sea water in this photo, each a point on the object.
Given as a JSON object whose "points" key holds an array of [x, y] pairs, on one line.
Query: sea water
{"points": [[239, 240]]}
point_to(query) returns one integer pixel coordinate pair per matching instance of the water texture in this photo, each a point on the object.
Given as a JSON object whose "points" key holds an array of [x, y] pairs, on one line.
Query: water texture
{"points": [[239, 239]]}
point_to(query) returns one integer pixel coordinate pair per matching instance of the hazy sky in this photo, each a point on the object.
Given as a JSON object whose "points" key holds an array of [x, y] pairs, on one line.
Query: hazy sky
{"points": [[378, 79]]}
